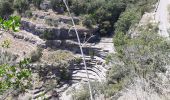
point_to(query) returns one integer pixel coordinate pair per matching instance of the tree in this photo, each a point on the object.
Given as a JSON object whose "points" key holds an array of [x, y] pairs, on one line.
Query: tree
{"points": [[6, 8], [126, 20]]}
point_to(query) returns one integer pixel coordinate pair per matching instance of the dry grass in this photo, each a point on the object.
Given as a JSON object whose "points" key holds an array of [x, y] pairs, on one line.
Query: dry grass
{"points": [[17, 46], [56, 56]]}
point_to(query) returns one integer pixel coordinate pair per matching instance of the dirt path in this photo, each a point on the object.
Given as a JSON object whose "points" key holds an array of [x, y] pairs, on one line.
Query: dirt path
{"points": [[162, 17]]}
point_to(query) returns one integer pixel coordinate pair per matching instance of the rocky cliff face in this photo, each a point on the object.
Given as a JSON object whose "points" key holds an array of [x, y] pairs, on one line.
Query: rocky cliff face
{"points": [[59, 26]]}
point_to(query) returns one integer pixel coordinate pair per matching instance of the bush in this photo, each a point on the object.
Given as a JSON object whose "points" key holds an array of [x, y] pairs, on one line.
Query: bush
{"points": [[106, 13], [103, 13], [14, 77], [28, 13], [78, 6], [87, 21], [58, 56], [144, 54], [126, 20], [58, 5], [48, 34], [21, 5], [36, 55], [37, 3], [6, 8], [100, 91], [7, 58], [81, 94], [78, 60], [116, 74]]}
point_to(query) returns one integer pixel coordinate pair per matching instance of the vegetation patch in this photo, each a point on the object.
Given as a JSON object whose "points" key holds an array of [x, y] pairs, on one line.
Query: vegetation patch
{"points": [[57, 56]]}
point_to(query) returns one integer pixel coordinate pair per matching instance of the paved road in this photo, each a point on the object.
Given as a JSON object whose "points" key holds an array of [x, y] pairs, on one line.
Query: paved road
{"points": [[162, 17]]}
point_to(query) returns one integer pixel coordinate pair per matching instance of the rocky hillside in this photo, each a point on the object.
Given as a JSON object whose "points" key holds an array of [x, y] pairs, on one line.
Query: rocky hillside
{"points": [[48, 38]]}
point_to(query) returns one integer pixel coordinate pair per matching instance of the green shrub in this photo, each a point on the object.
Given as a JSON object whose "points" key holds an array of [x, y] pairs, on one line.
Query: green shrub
{"points": [[126, 20], [81, 94], [6, 43], [6, 8], [7, 58], [37, 3], [58, 56], [105, 13], [57, 4], [36, 55], [88, 21], [28, 13], [92, 53], [144, 54], [21, 5], [78, 6], [98, 90], [78, 60], [14, 76], [116, 74], [47, 34]]}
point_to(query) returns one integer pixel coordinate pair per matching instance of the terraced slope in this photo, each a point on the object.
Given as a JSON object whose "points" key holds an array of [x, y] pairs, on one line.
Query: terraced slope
{"points": [[34, 30]]}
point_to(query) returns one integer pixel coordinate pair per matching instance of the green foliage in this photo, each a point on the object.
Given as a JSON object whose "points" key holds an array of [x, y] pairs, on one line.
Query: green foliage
{"points": [[57, 4], [119, 40], [58, 60], [78, 60], [6, 43], [78, 6], [6, 8], [116, 74], [126, 20], [88, 22], [47, 34], [105, 13], [58, 56], [98, 90], [147, 53], [142, 56], [81, 94], [91, 53], [21, 5], [37, 3], [13, 23], [7, 58], [11, 76]]}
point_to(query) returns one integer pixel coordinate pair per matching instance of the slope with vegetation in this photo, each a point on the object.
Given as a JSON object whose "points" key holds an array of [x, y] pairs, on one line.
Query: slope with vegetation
{"points": [[56, 60]]}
